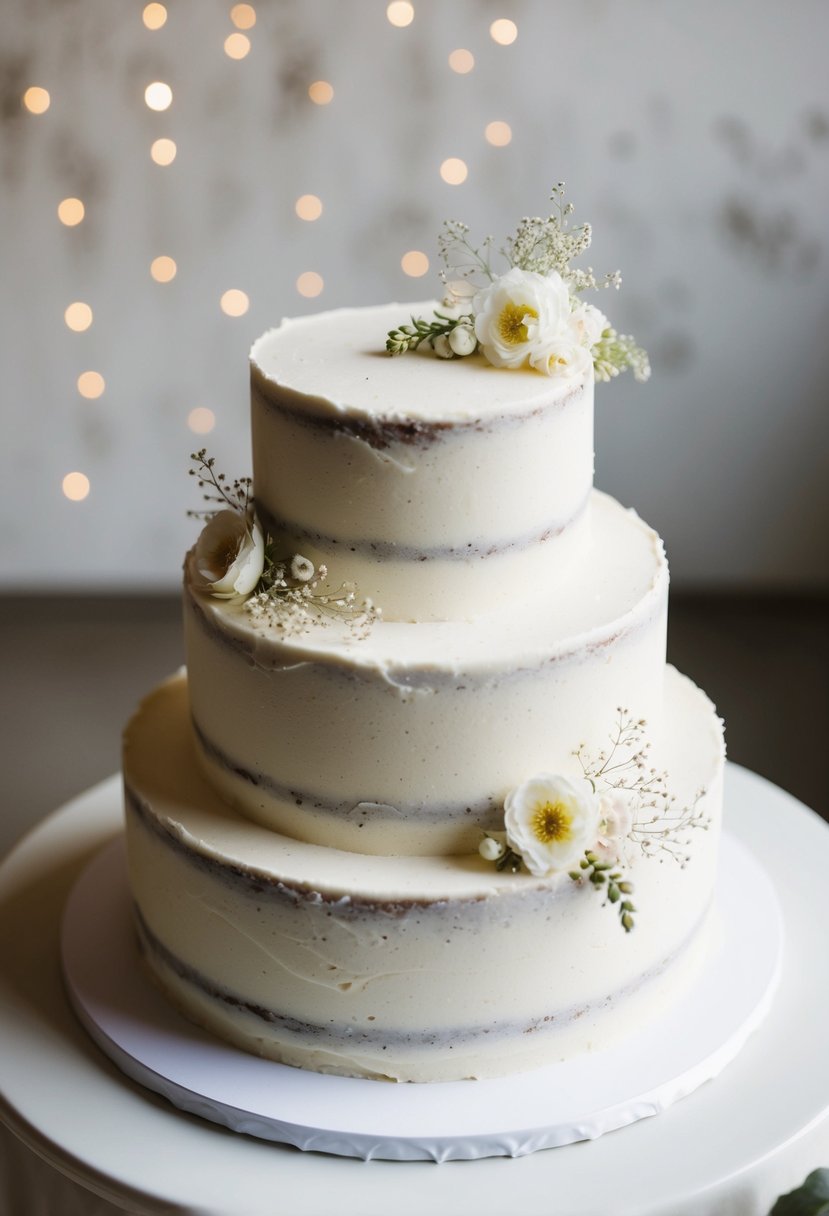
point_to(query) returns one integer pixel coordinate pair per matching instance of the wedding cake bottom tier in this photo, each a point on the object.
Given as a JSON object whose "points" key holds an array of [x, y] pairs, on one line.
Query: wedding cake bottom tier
{"points": [[409, 968]]}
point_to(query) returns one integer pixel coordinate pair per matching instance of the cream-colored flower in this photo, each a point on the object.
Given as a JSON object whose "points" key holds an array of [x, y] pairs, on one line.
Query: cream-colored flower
{"points": [[588, 323], [230, 555], [462, 340], [551, 822], [442, 348], [519, 314], [564, 358], [615, 822]]}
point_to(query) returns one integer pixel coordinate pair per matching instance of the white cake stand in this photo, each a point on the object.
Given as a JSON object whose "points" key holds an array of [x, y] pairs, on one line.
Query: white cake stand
{"points": [[580, 1099]]}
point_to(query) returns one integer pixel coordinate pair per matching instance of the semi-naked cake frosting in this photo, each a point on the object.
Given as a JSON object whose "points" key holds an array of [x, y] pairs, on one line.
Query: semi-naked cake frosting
{"points": [[305, 808]]}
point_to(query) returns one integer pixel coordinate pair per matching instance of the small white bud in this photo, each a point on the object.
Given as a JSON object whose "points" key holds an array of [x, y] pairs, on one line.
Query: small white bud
{"points": [[491, 849], [302, 568], [442, 348], [462, 340]]}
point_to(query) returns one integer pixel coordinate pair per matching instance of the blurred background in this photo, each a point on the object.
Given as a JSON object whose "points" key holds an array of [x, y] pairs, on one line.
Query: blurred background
{"points": [[176, 178]]}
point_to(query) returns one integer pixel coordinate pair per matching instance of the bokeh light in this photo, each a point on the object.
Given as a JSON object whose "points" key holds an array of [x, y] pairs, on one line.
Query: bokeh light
{"points": [[163, 269], [454, 171], [71, 211], [76, 486], [163, 151], [234, 303], [414, 263], [158, 95], [154, 16], [78, 316], [201, 420], [461, 61], [503, 31], [309, 284], [36, 100], [320, 92], [91, 385], [243, 16], [498, 134], [237, 46], [400, 13], [308, 207]]}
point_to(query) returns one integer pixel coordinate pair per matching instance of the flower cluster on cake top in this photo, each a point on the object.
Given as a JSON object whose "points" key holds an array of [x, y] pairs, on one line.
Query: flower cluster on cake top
{"points": [[532, 314]]}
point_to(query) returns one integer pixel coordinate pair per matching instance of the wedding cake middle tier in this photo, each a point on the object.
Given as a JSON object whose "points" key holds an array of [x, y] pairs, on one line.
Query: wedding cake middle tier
{"points": [[406, 741]]}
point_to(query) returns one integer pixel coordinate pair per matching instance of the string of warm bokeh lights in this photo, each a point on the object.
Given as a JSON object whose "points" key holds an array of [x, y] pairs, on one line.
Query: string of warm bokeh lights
{"points": [[234, 302]]}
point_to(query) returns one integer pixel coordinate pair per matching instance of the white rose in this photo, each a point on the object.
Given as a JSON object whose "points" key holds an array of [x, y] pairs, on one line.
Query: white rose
{"points": [[230, 555], [519, 314], [563, 358], [550, 822], [462, 340], [588, 324], [615, 822]]}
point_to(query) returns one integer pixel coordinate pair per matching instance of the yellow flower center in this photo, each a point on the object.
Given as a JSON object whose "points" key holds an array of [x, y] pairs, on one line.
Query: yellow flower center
{"points": [[551, 822], [511, 325]]}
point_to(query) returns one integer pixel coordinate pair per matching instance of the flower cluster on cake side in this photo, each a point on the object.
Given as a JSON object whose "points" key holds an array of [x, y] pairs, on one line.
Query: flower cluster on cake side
{"points": [[235, 560], [588, 828], [532, 314]]}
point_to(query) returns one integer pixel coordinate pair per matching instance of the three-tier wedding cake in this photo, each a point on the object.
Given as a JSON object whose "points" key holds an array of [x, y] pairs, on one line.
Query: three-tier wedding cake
{"points": [[428, 804]]}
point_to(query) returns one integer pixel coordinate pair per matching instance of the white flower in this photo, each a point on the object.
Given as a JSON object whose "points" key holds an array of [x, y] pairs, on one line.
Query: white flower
{"points": [[519, 314], [588, 324], [442, 348], [550, 822], [302, 568], [564, 358], [615, 822], [230, 554], [462, 340]]}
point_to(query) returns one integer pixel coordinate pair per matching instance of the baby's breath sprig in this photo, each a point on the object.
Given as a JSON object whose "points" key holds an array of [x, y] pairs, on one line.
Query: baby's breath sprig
{"points": [[606, 877], [660, 826], [230, 496], [461, 260], [292, 595]]}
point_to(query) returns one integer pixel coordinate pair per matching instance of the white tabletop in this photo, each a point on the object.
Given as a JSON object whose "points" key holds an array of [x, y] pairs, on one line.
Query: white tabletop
{"points": [[734, 1145]]}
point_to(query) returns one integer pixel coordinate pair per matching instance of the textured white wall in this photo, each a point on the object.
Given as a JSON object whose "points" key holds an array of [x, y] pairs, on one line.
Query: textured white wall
{"points": [[694, 137]]}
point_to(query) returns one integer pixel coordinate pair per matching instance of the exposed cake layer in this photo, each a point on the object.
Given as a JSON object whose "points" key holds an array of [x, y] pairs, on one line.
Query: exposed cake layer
{"points": [[436, 486], [409, 968], [408, 740]]}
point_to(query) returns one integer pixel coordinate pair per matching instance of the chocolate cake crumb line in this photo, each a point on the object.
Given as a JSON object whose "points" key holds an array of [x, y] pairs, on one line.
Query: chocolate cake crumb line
{"points": [[381, 432], [485, 813], [388, 551], [348, 1034]]}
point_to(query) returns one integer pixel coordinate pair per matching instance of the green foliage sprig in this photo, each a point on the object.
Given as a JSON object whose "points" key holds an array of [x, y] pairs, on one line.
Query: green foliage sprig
{"points": [[605, 876]]}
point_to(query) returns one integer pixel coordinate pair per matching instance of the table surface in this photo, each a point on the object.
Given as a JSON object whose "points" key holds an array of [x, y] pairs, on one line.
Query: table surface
{"points": [[734, 1145]]}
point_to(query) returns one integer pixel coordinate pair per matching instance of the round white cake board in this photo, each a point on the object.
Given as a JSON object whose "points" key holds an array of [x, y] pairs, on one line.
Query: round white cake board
{"points": [[578, 1099]]}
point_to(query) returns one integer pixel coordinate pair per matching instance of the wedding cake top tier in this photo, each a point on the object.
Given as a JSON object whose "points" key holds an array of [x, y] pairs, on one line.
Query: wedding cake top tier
{"points": [[442, 489]]}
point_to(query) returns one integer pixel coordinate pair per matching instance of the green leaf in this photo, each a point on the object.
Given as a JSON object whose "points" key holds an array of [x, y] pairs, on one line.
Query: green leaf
{"points": [[810, 1199]]}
